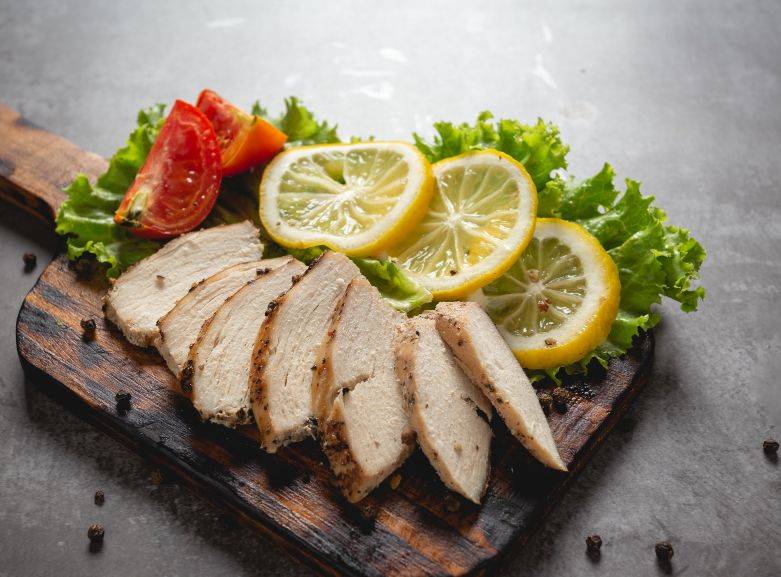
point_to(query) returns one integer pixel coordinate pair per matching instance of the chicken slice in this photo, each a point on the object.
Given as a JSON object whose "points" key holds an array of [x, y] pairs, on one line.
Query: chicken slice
{"points": [[364, 428], [357, 343], [179, 327], [288, 347], [218, 369], [151, 287], [488, 361], [449, 415]]}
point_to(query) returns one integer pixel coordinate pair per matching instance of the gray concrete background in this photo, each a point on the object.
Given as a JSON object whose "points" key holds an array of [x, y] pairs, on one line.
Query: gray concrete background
{"points": [[685, 96]]}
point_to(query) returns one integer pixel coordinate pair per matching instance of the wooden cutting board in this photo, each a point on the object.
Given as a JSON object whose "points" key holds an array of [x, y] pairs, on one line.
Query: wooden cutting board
{"points": [[417, 529]]}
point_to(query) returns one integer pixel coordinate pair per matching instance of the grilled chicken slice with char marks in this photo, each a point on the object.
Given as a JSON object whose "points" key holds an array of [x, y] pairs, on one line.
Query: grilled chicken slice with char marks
{"points": [[288, 347], [365, 431], [450, 416], [151, 287], [485, 357], [218, 369], [180, 326]]}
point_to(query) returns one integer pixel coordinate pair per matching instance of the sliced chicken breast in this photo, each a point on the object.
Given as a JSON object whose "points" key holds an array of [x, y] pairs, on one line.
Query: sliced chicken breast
{"points": [[485, 357], [365, 431], [218, 369], [450, 416], [357, 345], [150, 288], [288, 347], [179, 327]]}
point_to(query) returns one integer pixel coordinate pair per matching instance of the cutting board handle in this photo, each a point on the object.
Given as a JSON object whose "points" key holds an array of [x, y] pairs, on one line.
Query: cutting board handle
{"points": [[36, 165]]}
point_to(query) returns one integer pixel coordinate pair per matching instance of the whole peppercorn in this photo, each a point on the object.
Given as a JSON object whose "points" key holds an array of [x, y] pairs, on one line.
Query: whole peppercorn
{"points": [[30, 260], [88, 327], [593, 546], [85, 266], [546, 400], [664, 551], [96, 533], [770, 446], [560, 400], [452, 504], [100, 498], [364, 515], [594, 542], [123, 401]]}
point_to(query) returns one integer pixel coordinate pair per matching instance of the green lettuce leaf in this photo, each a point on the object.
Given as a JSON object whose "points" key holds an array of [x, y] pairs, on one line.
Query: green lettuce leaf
{"points": [[537, 146], [87, 215], [300, 125], [654, 259], [401, 292], [306, 255]]}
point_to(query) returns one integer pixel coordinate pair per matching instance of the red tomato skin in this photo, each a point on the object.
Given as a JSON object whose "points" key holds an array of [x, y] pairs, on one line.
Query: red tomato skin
{"points": [[179, 183], [245, 140]]}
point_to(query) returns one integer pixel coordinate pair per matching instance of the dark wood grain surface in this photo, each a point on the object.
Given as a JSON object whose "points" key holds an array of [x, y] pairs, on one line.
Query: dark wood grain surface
{"points": [[35, 165], [417, 529]]}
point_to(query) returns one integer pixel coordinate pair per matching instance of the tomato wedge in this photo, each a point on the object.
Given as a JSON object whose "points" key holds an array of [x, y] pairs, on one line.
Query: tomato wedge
{"points": [[180, 180], [245, 140]]}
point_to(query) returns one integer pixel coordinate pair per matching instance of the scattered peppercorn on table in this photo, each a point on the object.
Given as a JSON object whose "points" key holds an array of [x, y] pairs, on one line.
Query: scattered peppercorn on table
{"points": [[671, 96]]}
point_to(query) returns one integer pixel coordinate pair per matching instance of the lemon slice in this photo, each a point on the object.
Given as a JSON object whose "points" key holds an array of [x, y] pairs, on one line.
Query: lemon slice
{"points": [[352, 198], [480, 219], [559, 300]]}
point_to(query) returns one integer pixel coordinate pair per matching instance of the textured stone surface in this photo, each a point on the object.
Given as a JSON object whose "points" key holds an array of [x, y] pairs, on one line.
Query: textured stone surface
{"points": [[684, 97]]}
